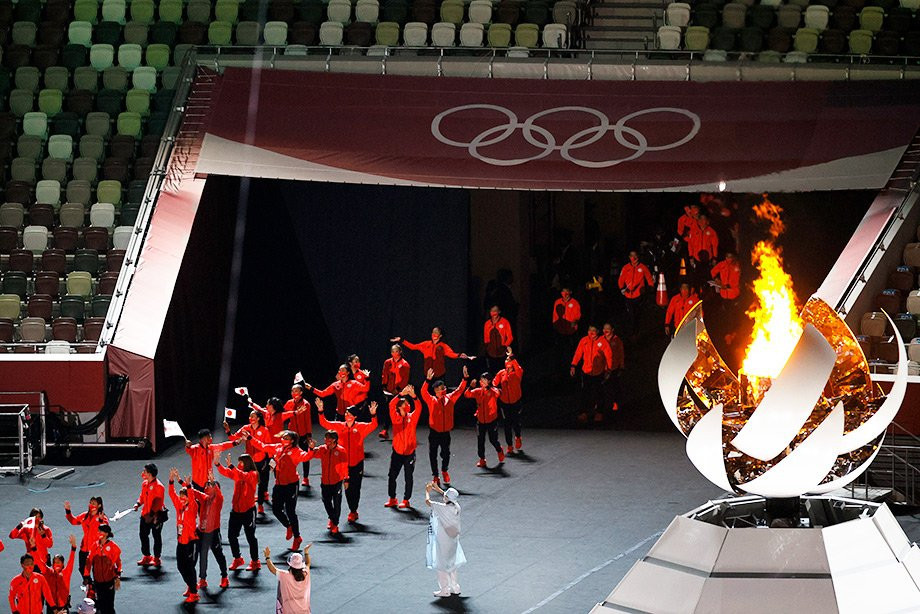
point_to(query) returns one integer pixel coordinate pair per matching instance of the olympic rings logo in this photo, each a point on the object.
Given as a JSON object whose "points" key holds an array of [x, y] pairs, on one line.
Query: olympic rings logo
{"points": [[546, 142]]}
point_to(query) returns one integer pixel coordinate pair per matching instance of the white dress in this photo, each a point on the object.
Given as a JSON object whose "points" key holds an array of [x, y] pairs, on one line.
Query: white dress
{"points": [[293, 596], [444, 550]]}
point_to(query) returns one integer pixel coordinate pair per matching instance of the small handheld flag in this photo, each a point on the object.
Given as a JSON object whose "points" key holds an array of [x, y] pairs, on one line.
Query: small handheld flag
{"points": [[229, 413], [243, 391], [298, 377], [172, 429]]}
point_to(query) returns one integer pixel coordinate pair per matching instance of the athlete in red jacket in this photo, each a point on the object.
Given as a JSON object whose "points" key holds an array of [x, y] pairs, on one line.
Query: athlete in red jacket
{"points": [[256, 429], [203, 454], [210, 502], [441, 421], [404, 416], [610, 386], [273, 413], [301, 423], [152, 503], [334, 462], [58, 577], [508, 380], [703, 238], [89, 521], [497, 337], [29, 590], [434, 352], [103, 570], [186, 535], [348, 392], [242, 510], [566, 313], [688, 221], [680, 304], [351, 437], [35, 535], [728, 273], [359, 395], [394, 377], [486, 397], [596, 360], [284, 494]]}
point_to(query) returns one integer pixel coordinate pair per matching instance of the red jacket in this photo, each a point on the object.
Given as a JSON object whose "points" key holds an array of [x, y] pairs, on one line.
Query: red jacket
{"points": [[90, 525], [301, 422], [203, 458], [245, 484], [58, 583], [210, 503], [509, 381], [28, 594], [441, 411], [352, 439], [486, 403], [152, 498], [678, 308], [104, 562], [186, 517], [729, 278], [349, 393], [395, 375], [685, 224], [633, 278], [273, 422], [617, 359], [566, 315], [703, 239], [262, 434], [286, 460], [594, 354], [434, 355], [404, 441], [497, 336], [43, 539], [333, 463]]}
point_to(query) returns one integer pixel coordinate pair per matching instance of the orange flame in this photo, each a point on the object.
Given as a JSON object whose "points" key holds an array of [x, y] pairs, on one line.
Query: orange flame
{"points": [[777, 325]]}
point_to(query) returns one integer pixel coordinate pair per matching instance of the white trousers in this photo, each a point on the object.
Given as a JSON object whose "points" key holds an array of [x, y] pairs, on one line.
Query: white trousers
{"points": [[447, 581]]}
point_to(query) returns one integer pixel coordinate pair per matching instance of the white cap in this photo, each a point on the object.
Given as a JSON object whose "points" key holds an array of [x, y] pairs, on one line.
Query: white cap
{"points": [[451, 494], [87, 607], [295, 561]]}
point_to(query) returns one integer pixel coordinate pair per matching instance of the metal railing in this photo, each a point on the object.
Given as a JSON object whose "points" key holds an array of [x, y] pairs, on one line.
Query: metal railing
{"points": [[22, 434], [896, 467]]}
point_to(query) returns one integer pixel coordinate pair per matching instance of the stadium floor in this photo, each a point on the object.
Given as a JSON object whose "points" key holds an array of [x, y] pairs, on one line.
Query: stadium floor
{"points": [[551, 531]]}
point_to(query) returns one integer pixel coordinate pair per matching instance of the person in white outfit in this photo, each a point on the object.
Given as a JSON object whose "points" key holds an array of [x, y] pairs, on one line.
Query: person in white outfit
{"points": [[294, 584], [445, 554]]}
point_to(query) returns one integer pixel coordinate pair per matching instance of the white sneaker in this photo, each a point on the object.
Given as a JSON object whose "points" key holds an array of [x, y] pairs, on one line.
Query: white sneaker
{"points": [[455, 589], [442, 593]]}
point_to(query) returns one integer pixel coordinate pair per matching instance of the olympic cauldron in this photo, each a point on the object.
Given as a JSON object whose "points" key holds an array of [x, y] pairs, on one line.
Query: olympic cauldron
{"points": [[812, 429]]}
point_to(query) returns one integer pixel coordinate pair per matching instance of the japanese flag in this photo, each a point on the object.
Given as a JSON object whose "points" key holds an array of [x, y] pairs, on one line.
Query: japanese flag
{"points": [[243, 391], [298, 377], [230, 413]]}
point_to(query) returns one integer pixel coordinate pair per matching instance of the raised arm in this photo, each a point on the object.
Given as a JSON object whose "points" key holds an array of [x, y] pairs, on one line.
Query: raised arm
{"points": [[269, 563]]}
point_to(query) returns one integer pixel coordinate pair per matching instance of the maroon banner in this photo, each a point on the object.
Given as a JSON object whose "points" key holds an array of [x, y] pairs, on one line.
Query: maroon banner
{"points": [[545, 134]]}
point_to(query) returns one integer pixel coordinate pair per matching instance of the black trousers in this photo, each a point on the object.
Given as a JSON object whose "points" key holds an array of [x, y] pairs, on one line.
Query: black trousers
{"points": [[302, 442], [186, 557], [247, 522], [210, 542], [611, 392], [406, 464], [511, 419], [81, 559], [332, 501], [490, 429], [383, 416], [592, 392], [353, 492], [263, 469], [438, 440], [146, 529], [284, 506], [105, 597]]}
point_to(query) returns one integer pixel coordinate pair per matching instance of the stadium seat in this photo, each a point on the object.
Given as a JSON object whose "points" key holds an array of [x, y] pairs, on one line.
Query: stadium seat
{"points": [[537, 13], [164, 33], [565, 12], [63, 329], [425, 11], [6, 330], [248, 33], [198, 11], [555, 36], [170, 76], [48, 192], [54, 260], [472, 35], [845, 18], [331, 33], [789, 16], [387, 34], [21, 260], [21, 102], [723, 39], [66, 123], [734, 15], [129, 56], [10, 306], [79, 283], [136, 33], [72, 215], [109, 191], [415, 34], [145, 78], [669, 38], [101, 56], [157, 56], [113, 10], [35, 239], [526, 35], [795, 57], [30, 146], [443, 34], [50, 102], [311, 11], [275, 33], [122, 236], [86, 260], [452, 11], [886, 43], [367, 11], [32, 330], [92, 329], [696, 38], [806, 40], [677, 14], [395, 10], [817, 17], [762, 16], [108, 33], [110, 101], [138, 101], [27, 78], [219, 33], [12, 215], [23, 169], [40, 306], [65, 239], [48, 282], [86, 10], [15, 282], [142, 11], [85, 169], [96, 239], [57, 346], [358, 34], [129, 123], [871, 18], [128, 214], [80, 102], [73, 304], [226, 10], [86, 78], [509, 12], [480, 11], [860, 42], [57, 77], [282, 10], [54, 169], [114, 259], [499, 35], [100, 305], [339, 11], [98, 123], [706, 15], [9, 240]]}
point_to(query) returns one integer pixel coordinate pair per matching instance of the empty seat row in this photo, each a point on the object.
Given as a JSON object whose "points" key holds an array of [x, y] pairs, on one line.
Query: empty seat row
{"points": [[63, 328], [443, 34], [47, 284], [70, 215], [96, 239], [56, 262], [85, 79]]}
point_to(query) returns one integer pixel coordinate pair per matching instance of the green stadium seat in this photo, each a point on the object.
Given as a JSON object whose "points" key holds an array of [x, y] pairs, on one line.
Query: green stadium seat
{"points": [[28, 10], [101, 56], [452, 12], [367, 11], [219, 33], [871, 18], [129, 124], [79, 191], [527, 35], [115, 78], [12, 215], [164, 33], [248, 33], [110, 101], [199, 11], [145, 78], [109, 191], [171, 11], [24, 33], [30, 146], [142, 11], [72, 215], [23, 169], [179, 52], [696, 38], [860, 41], [226, 10], [16, 282], [35, 123], [27, 78], [158, 56], [806, 40], [136, 33], [275, 33], [21, 102], [339, 11], [60, 146], [86, 169], [86, 78], [387, 33], [100, 305], [80, 33], [86, 10], [138, 101], [50, 102], [92, 147], [79, 282], [10, 306], [48, 192], [129, 56], [107, 33], [98, 123], [113, 10], [499, 35], [54, 169], [57, 78], [73, 305]]}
